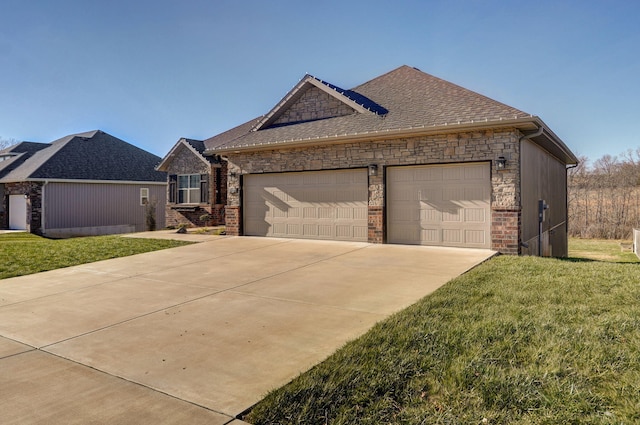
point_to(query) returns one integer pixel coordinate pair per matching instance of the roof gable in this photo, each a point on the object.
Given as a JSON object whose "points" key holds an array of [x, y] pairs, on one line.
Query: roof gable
{"points": [[313, 99], [196, 147]]}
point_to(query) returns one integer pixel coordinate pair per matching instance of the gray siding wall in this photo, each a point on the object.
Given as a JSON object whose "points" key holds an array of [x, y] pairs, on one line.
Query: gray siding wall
{"points": [[543, 177], [81, 205]]}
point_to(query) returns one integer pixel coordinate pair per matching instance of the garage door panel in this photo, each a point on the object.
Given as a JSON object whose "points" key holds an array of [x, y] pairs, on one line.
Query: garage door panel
{"points": [[453, 193], [312, 204], [476, 172], [361, 214], [452, 173], [427, 215], [452, 236], [439, 205], [475, 215], [430, 235], [433, 174], [475, 237], [451, 216]]}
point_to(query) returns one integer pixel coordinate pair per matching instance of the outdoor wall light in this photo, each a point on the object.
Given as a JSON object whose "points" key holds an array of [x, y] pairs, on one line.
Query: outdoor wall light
{"points": [[373, 169], [233, 174], [501, 163]]}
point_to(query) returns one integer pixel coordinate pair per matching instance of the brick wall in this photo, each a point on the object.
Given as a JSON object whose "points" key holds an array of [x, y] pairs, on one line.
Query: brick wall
{"points": [[232, 219], [186, 161], [505, 235], [376, 224]]}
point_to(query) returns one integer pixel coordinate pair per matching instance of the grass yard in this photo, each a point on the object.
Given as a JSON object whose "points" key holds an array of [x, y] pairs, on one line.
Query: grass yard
{"points": [[25, 253], [517, 340], [602, 250]]}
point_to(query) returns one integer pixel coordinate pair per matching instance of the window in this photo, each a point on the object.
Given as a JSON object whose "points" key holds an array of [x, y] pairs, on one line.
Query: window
{"points": [[144, 196], [189, 189]]}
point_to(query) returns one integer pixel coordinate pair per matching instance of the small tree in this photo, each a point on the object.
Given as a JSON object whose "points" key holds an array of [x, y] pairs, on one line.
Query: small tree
{"points": [[150, 214]]}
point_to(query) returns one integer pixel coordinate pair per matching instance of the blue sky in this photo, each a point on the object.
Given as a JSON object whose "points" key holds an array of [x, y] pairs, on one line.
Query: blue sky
{"points": [[151, 72]]}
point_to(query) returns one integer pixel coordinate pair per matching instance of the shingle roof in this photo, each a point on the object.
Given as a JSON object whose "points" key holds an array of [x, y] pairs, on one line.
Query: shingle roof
{"points": [[410, 97], [411, 103], [93, 155], [19, 153]]}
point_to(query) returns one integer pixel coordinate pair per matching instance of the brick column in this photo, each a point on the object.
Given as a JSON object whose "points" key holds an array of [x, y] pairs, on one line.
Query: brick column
{"points": [[232, 220], [505, 234], [376, 224]]}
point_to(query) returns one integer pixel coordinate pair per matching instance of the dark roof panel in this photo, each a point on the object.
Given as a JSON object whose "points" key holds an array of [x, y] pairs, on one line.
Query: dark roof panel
{"points": [[93, 155]]}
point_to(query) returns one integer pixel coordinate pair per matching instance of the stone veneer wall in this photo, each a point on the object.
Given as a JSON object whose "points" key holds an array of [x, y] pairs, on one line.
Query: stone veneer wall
{"points": [[33, 190], [475, 146], [186, 162], [314, 104]]}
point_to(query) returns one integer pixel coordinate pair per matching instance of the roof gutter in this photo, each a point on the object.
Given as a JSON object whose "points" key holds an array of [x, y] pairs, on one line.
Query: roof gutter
{"points": [[553, 144], [521, 123], [536, 134]]}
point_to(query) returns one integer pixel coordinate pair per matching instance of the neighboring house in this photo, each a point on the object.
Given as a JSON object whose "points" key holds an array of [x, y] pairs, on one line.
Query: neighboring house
{"points": [[83, 184], [405, 158], [197, 185]]}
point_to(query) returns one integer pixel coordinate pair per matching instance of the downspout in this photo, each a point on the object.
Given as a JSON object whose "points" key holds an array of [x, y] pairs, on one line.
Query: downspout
{"points": [[536, 134], [42, 207], [567, 206]]}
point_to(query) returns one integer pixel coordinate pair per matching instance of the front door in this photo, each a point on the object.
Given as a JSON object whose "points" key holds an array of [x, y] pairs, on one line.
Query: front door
{"points": [[17, 212]]}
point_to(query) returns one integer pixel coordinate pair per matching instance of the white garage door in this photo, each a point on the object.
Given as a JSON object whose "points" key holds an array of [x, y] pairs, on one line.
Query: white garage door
{"points": [[309, 205], [17, 212], [445, 205]]}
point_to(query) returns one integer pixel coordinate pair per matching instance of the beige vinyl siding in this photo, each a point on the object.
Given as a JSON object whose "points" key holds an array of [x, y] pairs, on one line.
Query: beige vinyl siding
{"points": [[79, 205], [442, 205], [543, 177], [308, 205]]}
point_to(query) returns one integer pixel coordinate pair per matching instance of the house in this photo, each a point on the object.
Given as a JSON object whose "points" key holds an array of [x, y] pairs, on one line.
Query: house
{"points": [[197, 185], [82, 184], [404, 158]]}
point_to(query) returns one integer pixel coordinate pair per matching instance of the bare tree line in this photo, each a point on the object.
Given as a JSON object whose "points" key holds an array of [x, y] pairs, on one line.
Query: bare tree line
{"points": [[5, 143], [604, 197]]}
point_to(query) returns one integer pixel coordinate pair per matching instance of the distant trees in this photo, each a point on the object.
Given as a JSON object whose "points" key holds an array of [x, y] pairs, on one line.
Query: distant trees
{"points": [[604, 197], [5, 143]]}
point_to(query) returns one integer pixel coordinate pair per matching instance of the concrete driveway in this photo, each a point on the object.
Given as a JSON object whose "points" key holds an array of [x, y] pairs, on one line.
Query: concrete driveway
{"points": [[200, 333]]}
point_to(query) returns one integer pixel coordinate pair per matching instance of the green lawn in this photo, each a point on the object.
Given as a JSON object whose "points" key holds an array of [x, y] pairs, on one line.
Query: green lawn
{"points": [[602, 250], [24, 253], [517, 340]]}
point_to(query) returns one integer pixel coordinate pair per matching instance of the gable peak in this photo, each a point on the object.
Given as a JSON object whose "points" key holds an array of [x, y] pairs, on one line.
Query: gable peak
{"points": [[313, 99]]}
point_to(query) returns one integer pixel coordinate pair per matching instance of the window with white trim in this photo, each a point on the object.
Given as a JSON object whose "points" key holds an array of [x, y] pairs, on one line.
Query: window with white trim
{"points": [[189, 189], [144, 195]]}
